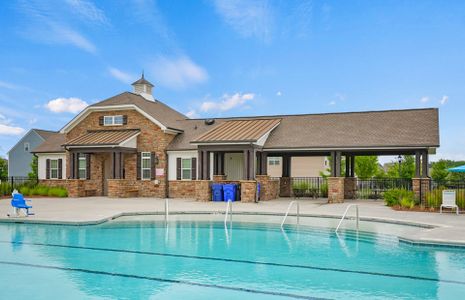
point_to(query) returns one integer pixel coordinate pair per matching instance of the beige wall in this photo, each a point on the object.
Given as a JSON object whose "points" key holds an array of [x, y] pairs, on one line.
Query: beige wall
{"points": [[309, 166]]}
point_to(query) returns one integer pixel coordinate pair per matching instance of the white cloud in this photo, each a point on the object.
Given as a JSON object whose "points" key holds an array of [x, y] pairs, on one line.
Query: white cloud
{"points": [[177, 73], [279, 94], [72, 105], [88, 11], [332, 103], [120, 75], [48, 22], [227, 102], [7, 85], [424, 99], [444, 100], [6, 128], [250, 18], [192, 114]]}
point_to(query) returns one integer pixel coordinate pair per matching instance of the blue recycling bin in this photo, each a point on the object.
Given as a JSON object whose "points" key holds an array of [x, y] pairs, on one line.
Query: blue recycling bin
{"points": [[217, 192], [229, 192], [258, 191]]}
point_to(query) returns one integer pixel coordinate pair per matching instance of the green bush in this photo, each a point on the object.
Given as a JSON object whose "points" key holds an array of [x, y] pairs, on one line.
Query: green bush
{"points": [[324, 190], [25, 190], [407, 202], [396, 196], [57, 192]]}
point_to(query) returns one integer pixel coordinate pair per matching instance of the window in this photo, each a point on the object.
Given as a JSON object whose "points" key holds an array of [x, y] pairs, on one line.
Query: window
{"points": [[26, 147], [186, 168], [54, 169], [145, 165], [274, 161], [112, 120], [82, 167]]}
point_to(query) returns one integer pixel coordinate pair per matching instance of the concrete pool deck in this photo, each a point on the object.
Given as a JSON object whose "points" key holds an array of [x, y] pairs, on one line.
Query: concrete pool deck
{"points": [[431, 228]]}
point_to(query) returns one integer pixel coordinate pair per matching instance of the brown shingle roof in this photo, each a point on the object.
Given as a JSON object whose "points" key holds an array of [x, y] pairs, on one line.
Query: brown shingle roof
{"points": [[393, 128], [103, 137], [45, 134], [53, 144], [158, 110], [238, 131]]}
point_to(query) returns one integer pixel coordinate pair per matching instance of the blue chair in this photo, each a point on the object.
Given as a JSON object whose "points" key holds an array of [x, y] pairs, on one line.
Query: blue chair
{"points": [[18, 202]]}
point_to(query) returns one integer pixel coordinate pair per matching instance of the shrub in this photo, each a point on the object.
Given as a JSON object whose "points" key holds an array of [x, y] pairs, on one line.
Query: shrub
{"points": [[57, 192], [324, 190], [407, 202], [24, 190], [396, 196]]}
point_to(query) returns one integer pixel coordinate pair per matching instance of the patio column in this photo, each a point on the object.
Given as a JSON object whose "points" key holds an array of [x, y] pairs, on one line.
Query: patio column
{"points": [[417, 164], [336, 164], [252, 163], [348, 159], [424, 168], [286, 166], [264, 163], [352, 166], [206, 165]]}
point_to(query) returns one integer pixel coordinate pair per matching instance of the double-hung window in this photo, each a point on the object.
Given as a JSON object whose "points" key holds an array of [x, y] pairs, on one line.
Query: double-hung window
{"points": [[274, 161], [54, 169], [146, 165], [113, 120], [186, 168], [82, 167]]}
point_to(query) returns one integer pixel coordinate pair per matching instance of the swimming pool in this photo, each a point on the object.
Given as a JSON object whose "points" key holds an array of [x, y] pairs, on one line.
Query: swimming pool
{"points": [[142, 258]]}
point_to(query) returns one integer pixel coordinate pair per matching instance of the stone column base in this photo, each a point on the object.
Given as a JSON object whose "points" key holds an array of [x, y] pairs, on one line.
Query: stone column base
{"points": [[217, 178], [336, 189], [285, 187], [248, 190], [420, 187], [350, 187]]}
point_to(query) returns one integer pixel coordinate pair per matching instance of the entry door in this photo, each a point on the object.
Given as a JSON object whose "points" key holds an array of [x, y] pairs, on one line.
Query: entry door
{"points": [[106, 174], [234, 166]]}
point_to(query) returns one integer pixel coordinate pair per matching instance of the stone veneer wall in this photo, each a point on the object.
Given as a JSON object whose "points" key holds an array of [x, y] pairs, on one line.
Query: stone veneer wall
{"points": [[190, 189], [248, 190], [124, 188], [285, 188], [75, 187], [350, 187], [420, 187], [269, 189], [336, 189], [151, 139]]}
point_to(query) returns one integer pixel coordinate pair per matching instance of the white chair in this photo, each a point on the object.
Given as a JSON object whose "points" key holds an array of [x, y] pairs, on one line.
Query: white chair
{"points": [[448, 200]]}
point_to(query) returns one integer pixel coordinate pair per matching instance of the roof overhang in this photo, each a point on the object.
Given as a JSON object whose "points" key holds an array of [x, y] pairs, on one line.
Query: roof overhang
{"points": [[129, 143], [90, 109]]}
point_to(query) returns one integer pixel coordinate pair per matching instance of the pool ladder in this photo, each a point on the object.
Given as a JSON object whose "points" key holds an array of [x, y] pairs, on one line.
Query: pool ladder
{"points": [[228, 212], [288, 209], [357, 218]]}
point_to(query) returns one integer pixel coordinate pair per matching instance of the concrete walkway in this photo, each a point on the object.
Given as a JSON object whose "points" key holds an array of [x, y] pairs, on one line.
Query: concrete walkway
{"points": [[445, 228]]}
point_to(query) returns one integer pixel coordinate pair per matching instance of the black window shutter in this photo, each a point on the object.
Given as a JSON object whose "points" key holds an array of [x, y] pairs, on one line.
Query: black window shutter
{"points": [[153, 165], [138, 166], [60, 168], [125, 119], [76, 166], [47, 169], [178, 168], [71, 165], [194, 168], [100, 120], [88, 166]]}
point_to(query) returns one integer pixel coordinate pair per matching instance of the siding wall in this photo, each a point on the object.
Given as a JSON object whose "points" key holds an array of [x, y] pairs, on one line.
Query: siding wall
{"points": [[309, 166], [42, 158], [234, 166], [19, 161]]}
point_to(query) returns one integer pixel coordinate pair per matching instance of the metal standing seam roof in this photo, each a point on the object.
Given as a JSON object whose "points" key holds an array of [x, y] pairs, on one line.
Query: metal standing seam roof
{"points": [[103, 137], [238, 131]]}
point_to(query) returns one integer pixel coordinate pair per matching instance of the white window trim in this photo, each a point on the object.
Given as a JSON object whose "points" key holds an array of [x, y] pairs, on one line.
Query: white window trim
{"points": [[182, 169], [113, 118], [28, 147], [82, 157], [142, 158], [50, 170]]}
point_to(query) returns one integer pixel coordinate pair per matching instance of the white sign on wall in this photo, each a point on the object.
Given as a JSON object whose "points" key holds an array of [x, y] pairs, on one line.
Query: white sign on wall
{"points": [[160, 172]]}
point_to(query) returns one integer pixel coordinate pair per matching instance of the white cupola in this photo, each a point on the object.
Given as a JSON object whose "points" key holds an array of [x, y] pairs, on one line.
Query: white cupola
{"points": [[143, 88]]}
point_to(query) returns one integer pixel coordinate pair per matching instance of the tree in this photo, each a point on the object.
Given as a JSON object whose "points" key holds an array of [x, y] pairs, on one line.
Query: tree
{"points": [[3, 168], [407, 168], [327, 172], [439, 170], [33, 175], [366, 166]]}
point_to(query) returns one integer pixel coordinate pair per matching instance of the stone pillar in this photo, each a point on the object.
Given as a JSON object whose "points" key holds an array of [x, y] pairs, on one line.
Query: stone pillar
{"points": [[202, 190], [217, 178], [420, 187], [350, 187], [285, 187], [248, 190], [336, 189]]}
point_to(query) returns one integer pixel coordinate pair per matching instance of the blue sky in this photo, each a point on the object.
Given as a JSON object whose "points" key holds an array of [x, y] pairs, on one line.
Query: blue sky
{"points": [[218, 58]]}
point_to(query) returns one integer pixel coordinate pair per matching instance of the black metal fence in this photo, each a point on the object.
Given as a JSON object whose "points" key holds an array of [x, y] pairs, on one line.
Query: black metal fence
{"points": [[314, 187], [431, 192], [8, 184], [374, 188]]}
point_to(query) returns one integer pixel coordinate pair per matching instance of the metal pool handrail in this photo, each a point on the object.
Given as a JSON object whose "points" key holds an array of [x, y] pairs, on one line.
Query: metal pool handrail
{"points": [[287, 212], [228, 212], [166, 209], [357, 218]]}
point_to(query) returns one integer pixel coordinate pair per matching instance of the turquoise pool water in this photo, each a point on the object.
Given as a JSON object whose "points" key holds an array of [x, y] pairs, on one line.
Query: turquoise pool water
{"points": [[202, 260]]}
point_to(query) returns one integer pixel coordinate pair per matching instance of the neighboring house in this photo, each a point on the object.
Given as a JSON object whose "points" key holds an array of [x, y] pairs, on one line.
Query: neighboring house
{"points": [[134, 145], [20, 156]]}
